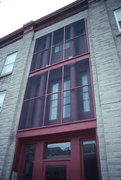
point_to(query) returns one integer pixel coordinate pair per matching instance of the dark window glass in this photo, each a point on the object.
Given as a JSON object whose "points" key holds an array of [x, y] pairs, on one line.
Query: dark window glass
{"points": [[36, 86], [55, 172], [58, 36], [29, 161], [33, 106], [90, 160], [57, 50], [55, 80], [40, 60], [41, 57], [32, 113], [53, 103], [74, 29], [75, 47], [62, 44], [43, 42], [58, 150], [57, 54]]}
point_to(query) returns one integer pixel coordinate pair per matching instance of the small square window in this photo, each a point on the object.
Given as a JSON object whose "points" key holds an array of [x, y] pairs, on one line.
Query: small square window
{"points": [[2, 97], [58, 150], [9, 63], [117, 14]]}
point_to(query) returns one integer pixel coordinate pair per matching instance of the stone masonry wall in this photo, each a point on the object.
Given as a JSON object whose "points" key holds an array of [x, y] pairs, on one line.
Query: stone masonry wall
{"points": [[106, 68], [14, 84], [105, 41]]}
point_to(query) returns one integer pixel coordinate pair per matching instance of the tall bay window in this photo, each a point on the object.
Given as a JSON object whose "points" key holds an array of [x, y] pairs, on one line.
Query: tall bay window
{"points": [[62, 44], [58, 96]]}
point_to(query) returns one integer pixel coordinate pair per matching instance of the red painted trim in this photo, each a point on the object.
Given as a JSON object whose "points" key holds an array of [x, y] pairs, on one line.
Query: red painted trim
{"points": [[60, 64], [98, 155], [64, 128], [45, 21]]}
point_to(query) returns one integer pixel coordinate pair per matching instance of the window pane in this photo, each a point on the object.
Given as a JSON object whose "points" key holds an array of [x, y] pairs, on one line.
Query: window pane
{"points": [[75, 29], [58, 150], [66, 111], [36, 86], [90, 160], [29, 161], [118, 14], [57, 53], [55, 79], [67, 84], [53, 107], [11, 58], [40, 60], [58, 36], [76, 47], [43, 42], [32, 113], [2, 96], [55, 87], [7, 69], [55, 172]]}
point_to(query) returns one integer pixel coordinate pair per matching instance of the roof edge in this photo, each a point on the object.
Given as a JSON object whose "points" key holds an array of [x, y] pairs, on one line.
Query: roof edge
{"points": [[45, 21]]}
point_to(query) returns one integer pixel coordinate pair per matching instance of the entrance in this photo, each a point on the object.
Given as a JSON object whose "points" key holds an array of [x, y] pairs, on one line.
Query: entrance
{"points": [[66, 159], [56, 171]]}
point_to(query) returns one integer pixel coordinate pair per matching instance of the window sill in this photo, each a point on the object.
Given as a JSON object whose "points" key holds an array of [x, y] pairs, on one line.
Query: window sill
{"points": [[2, 76]]}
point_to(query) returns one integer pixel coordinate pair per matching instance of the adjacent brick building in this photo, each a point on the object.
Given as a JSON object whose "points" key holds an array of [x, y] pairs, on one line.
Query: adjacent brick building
{"points": [[60, 95]]}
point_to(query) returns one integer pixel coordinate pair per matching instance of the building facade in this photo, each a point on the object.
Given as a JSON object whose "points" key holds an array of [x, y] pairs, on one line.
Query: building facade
{"points": [[60, 95]]}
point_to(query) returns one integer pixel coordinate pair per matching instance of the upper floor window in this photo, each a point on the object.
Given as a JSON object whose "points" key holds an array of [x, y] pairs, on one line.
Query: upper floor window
{"points": [[9, 63], [2, 96], [58, 96], [65, 43], [117, 14]]}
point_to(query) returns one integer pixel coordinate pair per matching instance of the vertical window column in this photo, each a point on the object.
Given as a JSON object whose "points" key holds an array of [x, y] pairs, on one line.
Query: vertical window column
{"points": [[74, 98]]}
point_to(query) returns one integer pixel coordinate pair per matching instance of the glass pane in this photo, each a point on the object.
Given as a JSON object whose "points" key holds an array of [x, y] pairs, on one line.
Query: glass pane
{"points": [[7, 69], [55, 172], [58, 36], [53, 109], [67, 104], [11, 58], [58, 150], [55, 79], [43, 42], [40, 60], [66, 84], [57, 53], [32, 113], [76, 47], [2, 96], [36, 86], [75, 29], [90, 160], [29, 161], [118, 14], [66, 111]]}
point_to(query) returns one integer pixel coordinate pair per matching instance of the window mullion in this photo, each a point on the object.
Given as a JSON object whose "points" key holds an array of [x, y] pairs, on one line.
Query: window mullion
{"points": [[51, 49], [62, 94], [45, 102]]}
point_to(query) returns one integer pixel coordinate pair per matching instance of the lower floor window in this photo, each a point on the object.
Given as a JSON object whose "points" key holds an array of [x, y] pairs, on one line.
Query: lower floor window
{"points": [[60, 160]]}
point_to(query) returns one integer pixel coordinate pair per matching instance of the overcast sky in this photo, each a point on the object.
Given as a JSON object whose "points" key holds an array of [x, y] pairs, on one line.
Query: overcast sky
{"points": [[15, 13]]}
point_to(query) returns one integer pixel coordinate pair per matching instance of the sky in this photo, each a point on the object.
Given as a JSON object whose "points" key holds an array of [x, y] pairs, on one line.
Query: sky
{"points": [[15, 13]]}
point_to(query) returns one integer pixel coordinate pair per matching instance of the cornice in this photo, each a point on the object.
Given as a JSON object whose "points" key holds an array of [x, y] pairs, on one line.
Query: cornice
{"points": [[45, 21]]}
